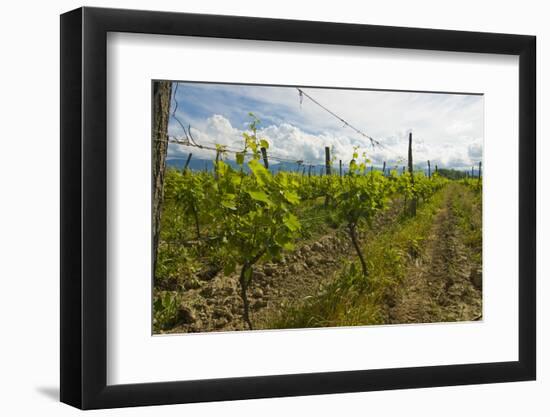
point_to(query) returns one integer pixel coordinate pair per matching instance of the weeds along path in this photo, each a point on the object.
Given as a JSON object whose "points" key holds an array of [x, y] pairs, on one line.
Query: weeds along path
{"points": [[444, 282], [216, 305]]}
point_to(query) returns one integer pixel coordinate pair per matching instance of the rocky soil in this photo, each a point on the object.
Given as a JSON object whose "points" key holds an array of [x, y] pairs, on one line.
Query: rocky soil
{"points": [[215, 304]]}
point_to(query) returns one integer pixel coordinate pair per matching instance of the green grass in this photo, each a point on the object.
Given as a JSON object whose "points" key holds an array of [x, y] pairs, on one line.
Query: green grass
{"points": [[468, 209]]}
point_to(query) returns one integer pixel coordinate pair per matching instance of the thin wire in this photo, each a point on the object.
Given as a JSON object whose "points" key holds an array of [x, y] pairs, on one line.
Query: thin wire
{"points": [[213, 147], [346, 123]]}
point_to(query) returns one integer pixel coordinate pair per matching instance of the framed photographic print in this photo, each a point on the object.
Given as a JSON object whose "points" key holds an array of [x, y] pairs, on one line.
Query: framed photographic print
{"points": [[257, 208]]}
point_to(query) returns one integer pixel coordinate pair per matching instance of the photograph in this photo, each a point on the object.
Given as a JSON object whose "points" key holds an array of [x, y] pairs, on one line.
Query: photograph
{"points": [[264, 209], [295, 207]]}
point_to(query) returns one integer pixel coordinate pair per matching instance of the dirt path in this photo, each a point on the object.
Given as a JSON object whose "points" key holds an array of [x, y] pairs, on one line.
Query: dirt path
{"points": [[439, 284], [215, 305]]}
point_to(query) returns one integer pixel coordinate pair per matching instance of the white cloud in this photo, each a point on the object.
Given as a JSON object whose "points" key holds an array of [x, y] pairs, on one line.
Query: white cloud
{"points": [[475, 151]]}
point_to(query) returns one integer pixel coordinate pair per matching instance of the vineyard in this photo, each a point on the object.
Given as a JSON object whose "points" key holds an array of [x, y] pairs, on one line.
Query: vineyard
{"points": [[244, 247]]}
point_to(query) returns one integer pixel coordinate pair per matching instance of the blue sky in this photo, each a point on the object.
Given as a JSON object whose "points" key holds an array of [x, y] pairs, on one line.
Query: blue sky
{"points": [[447, 128]]}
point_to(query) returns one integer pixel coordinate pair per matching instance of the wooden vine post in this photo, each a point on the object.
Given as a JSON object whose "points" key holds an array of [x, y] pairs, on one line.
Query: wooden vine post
{"points": [[479, 173], [384, 169], [162, 94], [411, 172], [327, 160], [187, 163], [264, 157], [429, 170]]}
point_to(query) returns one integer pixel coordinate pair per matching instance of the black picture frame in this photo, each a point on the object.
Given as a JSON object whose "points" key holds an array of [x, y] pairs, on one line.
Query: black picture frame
{"points": [[84, 207]]}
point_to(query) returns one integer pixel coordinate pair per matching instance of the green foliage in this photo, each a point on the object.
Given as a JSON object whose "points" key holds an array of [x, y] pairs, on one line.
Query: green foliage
{"points": [[359, 197], [421, 188], [473, 184], [451, 174], [252, 142], [255, 209], [165, 310], [175, 265], [255, 213]]}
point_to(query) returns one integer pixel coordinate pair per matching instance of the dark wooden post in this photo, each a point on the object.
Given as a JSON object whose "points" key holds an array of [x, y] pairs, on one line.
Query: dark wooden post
{"points": [[340, 167], [429, 170], [413, 201], [309, 171], [264, 156], [479, 173], [327, 160], [436, 169], [384, 168], [472, 172], [187, 162], [162, 95], [403, 170]]}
